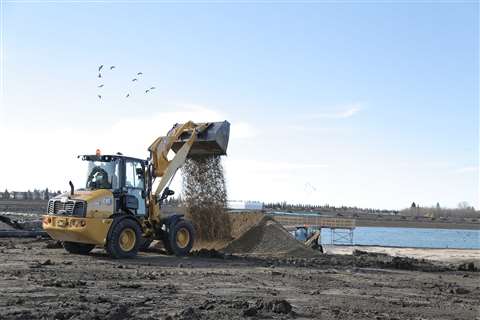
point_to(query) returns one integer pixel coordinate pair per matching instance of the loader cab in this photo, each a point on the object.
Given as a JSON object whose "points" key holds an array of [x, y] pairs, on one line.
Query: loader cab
{"points": [[124, 176], [103, 172]]}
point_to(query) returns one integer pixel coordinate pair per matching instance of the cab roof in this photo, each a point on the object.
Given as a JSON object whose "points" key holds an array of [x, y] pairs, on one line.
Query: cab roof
{"points": [[109, 157]]}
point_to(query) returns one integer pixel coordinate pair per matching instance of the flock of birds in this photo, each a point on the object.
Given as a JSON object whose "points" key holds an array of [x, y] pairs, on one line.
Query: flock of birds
{"points": [[137, 78]]}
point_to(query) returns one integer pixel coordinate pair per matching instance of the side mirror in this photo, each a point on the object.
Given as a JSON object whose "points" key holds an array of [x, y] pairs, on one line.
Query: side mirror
{"points": [[170, 192]]}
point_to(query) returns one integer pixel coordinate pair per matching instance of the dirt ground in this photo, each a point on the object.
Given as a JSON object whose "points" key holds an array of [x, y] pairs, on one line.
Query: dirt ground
{"points": [[39, 280]]}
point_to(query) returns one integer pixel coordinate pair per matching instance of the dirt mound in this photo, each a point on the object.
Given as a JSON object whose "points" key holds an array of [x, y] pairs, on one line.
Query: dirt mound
{"points": [[8, 224], [269, 238], [242, 221], [4, 226], [205, 197]]}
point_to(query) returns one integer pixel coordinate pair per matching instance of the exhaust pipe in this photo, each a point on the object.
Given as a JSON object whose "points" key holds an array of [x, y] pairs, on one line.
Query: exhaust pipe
{"points": [[71, 187]]}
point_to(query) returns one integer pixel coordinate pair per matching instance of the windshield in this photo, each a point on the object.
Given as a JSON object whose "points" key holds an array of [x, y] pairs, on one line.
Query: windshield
{"points": [[102, 175]]}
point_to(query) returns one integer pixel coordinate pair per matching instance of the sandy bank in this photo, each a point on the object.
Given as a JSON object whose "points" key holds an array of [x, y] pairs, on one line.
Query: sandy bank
{"points": [[444, 255]]}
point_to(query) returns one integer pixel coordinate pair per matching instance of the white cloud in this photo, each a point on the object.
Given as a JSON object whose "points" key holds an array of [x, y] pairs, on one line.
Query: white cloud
{"points": [[341, 113], [315, 129], [267, 180], [242, 130], [134, 135], [47, 158], [269, 166], [468, 169]]}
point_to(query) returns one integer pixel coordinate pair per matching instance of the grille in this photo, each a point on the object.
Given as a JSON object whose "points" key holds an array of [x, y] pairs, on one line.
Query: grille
{"points": [[70, 208]]}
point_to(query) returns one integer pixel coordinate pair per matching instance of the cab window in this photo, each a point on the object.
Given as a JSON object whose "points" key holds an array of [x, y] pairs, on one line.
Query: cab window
{"points": [[129, 174], [132, 178], [102, 174], [139, 183]]}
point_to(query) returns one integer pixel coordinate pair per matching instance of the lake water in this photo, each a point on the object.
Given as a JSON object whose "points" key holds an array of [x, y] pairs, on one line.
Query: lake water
{"points": [[412, 237]]}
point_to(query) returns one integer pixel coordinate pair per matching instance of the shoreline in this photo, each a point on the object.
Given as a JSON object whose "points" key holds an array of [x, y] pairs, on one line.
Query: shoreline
{"points": [[389, 221], [434, 254], [38, 207], [417, 224], [396, 247]]}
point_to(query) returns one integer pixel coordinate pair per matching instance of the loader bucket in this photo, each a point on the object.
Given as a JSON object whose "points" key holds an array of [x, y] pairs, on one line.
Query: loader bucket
{"points": [[211, 141]]}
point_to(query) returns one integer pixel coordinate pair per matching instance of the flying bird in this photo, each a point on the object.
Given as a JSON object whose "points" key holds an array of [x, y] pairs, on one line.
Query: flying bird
{"points": [[99, 75], [112, 67], [147, 91], [101, 86], [100, 68], [134, 79], [128, 95], [139, 73], [99, 96], [309, 188], [151, 88]]}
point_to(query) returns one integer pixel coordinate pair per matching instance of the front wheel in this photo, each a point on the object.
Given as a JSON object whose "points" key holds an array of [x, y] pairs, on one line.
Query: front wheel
{"points": [[166, 246], [180, 238], [124, 239], [78, 248]]}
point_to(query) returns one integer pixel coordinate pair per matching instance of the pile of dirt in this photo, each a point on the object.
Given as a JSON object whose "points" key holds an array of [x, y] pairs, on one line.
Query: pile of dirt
{"points": [[20, 221], [242, 221], [205, 197], [8, 224], [366, 259], [5, 226], [269, 238]]}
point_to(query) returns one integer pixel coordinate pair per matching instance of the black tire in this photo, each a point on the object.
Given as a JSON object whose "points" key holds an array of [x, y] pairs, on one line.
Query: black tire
{"points": [[181, 226], [167, 247], [78, 248], [116, 248]]}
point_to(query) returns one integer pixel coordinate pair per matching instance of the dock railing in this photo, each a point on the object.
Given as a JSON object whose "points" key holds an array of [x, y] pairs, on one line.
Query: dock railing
{"points": [[289, 221]]}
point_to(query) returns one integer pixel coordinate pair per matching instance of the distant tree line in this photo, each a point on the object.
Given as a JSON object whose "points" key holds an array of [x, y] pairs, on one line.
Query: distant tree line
{"points": [[463, 210], [36, 194], [284, 206]]}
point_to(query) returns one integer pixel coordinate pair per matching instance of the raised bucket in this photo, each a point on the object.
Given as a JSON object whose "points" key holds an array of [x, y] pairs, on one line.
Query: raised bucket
{"points": [[211, 141]]}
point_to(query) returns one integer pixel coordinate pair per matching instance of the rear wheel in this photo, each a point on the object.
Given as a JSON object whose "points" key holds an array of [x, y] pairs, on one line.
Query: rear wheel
{"points": [[181, 237], [78, 248], [124, 239]]}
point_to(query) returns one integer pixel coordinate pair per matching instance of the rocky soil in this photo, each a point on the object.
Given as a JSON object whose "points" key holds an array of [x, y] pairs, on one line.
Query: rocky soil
{"points": [[39, 280]]}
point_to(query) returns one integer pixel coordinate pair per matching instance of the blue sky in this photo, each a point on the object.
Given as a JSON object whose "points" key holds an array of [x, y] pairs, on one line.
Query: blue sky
{"points": [[368, 104]]}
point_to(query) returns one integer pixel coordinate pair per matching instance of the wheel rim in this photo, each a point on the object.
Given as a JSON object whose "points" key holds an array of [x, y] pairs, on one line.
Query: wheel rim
{"points": [[183, 237], [127, 239]]}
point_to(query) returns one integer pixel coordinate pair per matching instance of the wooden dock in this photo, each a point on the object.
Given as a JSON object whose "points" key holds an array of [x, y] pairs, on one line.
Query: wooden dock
{"points": [[341, 229], [296, 221]]}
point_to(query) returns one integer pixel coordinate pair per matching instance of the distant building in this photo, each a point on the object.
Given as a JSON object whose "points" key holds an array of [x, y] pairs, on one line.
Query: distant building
{"points": [[244, 205]]}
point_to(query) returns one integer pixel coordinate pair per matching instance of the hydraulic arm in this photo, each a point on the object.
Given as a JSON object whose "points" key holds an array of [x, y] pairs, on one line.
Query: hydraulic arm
{"points": [[184, 140]]}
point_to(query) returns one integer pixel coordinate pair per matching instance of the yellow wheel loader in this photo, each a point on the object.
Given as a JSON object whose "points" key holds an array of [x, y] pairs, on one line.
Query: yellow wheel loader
{"points": [[120, 206]]}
